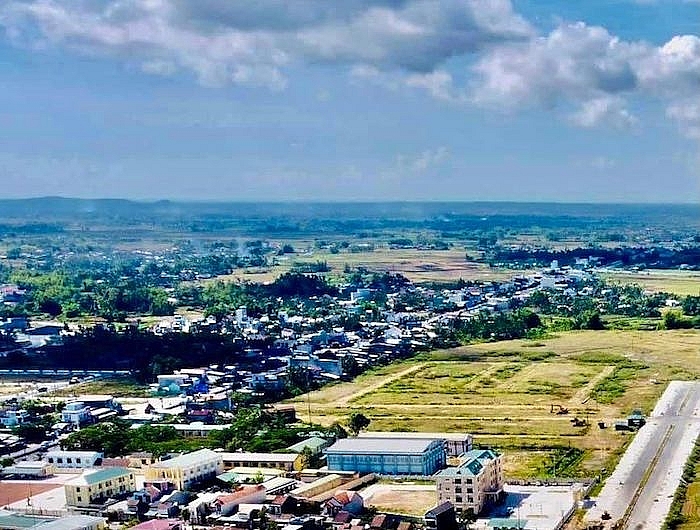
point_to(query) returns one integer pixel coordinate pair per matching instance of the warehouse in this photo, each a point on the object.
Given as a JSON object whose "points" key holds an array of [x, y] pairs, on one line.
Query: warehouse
{"points": [[387, 456]]}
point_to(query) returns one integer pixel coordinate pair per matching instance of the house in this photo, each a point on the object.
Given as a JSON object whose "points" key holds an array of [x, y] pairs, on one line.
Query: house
{"points": [[95, 487], [228, 503], [184, 471], [29, 470], [315, 444], [170, 506], [159, 524], [476, 483], [284, 461], [343, 501], [442, 517], [76, 413], [140, 459], [74, 459], [387, 456], [13, 418]]}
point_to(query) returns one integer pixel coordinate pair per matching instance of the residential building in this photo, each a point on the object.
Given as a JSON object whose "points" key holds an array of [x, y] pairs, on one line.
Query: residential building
{"points": [[315, 445], [95, 487], [442, 517], [77, 413], [28, 470], [346, 501], [13, 418], [477, 482], [73, 459], [183, 471], [387, 456], [159, 524], [227, 503], [456, 443], [284, 461]]}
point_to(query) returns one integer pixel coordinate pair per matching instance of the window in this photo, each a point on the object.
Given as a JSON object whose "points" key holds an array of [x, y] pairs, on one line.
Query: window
{"points": [[77, 460], [458, 499], [77, 489], [80, 499]]}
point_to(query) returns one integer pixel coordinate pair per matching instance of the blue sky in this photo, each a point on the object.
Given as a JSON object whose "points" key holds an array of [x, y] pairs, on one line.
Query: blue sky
{"points": [[547, 100]]}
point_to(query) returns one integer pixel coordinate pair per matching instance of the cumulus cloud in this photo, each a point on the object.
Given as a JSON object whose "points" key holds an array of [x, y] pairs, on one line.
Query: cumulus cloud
{"points": [[254, 41], [583, 71], [596, 72]]}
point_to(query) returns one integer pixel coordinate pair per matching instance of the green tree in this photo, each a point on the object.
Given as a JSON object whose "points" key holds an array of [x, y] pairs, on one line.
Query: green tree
{"points": [[357, 422]]}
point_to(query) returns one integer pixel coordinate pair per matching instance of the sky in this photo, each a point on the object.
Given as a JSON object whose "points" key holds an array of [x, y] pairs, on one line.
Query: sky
{"points": [[358, 100]]}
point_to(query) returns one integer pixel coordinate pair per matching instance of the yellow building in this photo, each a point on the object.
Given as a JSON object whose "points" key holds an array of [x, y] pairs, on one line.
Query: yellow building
{"points": [[186, 470], [283, 461], [95, 487]]}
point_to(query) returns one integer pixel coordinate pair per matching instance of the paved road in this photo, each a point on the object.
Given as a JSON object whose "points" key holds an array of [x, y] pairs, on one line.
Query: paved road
{"points": [[682, 422], [643, 484]]}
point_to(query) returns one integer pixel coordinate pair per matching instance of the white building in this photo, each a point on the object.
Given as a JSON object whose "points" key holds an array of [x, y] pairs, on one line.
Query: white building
{"points": [[73, 459], [477, 482], [76, 413], [186, 470]]}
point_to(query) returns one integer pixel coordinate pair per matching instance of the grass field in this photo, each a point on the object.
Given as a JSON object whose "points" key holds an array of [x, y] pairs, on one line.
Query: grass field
{"points": [[667, 281], [117, 387], [503, 393]]}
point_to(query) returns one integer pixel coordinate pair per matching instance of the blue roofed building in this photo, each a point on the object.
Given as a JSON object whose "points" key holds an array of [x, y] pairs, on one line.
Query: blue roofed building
{"points": [[475, 483], [387, 456]]}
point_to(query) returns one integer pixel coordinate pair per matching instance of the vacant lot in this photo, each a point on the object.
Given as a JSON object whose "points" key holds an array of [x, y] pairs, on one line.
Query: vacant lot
{"points": [[665, 281], [509, 394]]}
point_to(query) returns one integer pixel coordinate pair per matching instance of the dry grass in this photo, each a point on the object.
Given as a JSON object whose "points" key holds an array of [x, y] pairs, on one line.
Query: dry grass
{"points": [[416, 265], [495, 392], [677, 282]]}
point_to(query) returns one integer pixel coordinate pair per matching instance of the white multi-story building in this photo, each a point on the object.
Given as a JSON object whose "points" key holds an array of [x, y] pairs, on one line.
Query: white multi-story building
{"points": [[477, 481], [186, 470], [76, 413]]}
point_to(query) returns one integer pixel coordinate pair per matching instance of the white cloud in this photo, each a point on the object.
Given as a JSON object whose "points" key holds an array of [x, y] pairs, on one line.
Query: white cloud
{"points": [[255, 41], [583, 71], [592, 70], [423, 161]]}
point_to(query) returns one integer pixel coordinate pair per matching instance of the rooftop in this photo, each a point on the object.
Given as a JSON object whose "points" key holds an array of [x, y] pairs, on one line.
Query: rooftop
{"points": [[381, 445], [94, 477], [259, 457], [189, 459], [71, 522], [453, 436]]}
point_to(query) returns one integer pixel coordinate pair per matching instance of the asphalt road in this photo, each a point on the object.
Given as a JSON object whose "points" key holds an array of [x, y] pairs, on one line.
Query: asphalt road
{"points": [[654, 499], [643, 484]]}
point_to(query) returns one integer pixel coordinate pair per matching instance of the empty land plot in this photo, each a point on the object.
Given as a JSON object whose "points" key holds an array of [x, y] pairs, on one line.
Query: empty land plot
{"points": [[508, 394], [664, 281]]}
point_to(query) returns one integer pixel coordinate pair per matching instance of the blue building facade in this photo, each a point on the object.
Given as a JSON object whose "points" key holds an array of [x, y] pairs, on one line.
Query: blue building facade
{"points": [[387, 456]]}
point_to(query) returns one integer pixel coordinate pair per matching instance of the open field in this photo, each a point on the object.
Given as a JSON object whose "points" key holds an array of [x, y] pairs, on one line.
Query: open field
{"points": [[508, 394], [668, 281], [416, 265], [116, 387]]}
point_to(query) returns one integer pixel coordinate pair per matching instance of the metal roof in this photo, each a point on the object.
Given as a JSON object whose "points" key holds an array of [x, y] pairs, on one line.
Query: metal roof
{"points": [[381, 445], [189, 459], [94, 477]]}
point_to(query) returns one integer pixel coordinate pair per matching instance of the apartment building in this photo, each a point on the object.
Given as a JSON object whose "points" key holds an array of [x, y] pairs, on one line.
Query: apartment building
{"points": [[95, 487], [73, 459], [477, 481], [183, 471]]}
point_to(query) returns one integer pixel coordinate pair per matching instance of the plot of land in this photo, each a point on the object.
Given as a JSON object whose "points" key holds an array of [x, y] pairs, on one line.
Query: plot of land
{"points": [[15, 491], [666, 281], [509, 394], [406, 499], [416, 265]]}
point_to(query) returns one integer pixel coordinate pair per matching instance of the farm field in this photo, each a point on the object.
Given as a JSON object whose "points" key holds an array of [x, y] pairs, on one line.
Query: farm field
{"points": [[682, 283], [416, 265], [508, 394]]}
